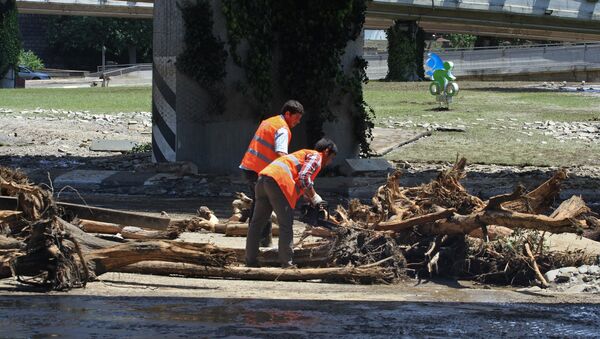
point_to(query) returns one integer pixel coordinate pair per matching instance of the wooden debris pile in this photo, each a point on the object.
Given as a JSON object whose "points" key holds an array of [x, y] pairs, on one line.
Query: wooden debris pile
{"points": [[433, 229], [443, 230]]}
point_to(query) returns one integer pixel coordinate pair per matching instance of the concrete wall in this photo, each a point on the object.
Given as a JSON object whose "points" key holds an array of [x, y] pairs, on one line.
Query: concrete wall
{"points": [[184, 129], [8, 80]]}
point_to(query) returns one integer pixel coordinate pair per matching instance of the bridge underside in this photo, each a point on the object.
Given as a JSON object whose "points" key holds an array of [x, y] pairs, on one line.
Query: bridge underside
{"points": [[548, 26], [107, 8]]}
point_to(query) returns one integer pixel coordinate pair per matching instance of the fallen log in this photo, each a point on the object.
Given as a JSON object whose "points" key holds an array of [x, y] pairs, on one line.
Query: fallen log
{"points": [[241, 230], [112, 258], [93, 226], [127, 232], [97, 213], [7, 243], [333, 274], [539, 200], [465, 224], [401, 225]]}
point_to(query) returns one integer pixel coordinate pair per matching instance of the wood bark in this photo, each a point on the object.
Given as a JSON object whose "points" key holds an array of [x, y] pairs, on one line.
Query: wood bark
{"points": [[9, 243], [262, 273], [401, 225], [241, 230], [111, 258], [540, 199], [465, 224], [90, 212]]}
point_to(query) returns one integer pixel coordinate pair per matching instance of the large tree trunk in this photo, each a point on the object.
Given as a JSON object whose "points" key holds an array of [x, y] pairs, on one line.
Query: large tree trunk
{"points": [[358, 274], [112, 258]]}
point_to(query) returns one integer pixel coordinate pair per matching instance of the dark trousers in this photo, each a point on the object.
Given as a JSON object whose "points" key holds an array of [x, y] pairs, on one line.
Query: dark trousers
{"points": [[251, 178], [269, 198]]}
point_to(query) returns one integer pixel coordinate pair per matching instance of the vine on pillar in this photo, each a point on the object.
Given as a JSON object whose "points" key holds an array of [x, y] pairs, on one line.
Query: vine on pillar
{"points": [[405, 51], [204, 55], [10, 45]]}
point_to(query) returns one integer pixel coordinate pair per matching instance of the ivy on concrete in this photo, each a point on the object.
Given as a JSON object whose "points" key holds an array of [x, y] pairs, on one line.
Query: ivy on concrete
{"points": [[312, 37], [250, 22], [204, 55], [301, 41], [10, 44], [405, 51]]}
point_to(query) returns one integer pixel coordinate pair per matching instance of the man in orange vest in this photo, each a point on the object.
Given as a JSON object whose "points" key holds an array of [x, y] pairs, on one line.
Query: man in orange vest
{"points": [[278, 189], [270, 141]]}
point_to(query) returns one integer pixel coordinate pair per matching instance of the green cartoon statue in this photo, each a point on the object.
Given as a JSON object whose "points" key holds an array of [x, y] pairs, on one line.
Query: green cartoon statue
{"points": [[442, 84]]}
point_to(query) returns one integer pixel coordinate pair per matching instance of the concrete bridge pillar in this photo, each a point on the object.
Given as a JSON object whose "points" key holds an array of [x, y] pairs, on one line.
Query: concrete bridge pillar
{"points": [[184, 129], [406, 45]]}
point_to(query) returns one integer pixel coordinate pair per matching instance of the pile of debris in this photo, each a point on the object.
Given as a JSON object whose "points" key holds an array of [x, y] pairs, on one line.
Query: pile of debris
{"points": [[436, 229]]}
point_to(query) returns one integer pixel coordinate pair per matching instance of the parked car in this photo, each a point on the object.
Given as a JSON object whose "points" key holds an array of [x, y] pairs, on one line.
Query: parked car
{"points": [[27, 74]]}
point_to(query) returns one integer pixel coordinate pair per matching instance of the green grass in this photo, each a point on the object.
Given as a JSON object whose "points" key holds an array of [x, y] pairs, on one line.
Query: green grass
{"points": [[481, 143], [485, 141], [93, 99]]}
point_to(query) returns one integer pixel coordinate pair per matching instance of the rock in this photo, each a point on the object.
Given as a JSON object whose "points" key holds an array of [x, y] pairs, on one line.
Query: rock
{"points": [[594, 269], [578, 288], [587, 278], [583, 269], [551, 275], [569, 270], [562, 278]]}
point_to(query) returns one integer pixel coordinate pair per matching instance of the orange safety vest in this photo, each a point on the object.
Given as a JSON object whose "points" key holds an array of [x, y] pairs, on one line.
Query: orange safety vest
{"points": [[261, 151], [285, 171]]}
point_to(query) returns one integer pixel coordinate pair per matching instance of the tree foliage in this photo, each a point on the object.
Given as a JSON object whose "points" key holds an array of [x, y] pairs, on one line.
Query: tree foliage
{"points": [[462, 40], [30, 60], [10, 44], [83, 37]]}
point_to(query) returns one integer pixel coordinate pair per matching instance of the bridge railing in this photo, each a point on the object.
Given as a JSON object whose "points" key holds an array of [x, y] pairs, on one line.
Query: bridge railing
{"points": [[508, 59], [120, 69]]}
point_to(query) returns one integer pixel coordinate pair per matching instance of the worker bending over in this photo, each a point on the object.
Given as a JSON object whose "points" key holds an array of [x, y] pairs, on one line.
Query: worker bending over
{"points": [[278, 188], [270, 141]]}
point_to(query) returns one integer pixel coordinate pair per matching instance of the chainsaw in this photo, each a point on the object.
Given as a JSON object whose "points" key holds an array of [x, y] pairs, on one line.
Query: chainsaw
{"points": [[317, 215]]}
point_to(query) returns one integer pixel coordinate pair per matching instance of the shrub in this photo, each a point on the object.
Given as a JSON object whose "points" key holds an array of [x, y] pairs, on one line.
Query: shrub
{"points": [[30, 60]]}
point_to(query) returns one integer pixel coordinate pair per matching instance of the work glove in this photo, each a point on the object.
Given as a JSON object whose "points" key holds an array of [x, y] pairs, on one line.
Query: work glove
{"points": [[316, 200]]}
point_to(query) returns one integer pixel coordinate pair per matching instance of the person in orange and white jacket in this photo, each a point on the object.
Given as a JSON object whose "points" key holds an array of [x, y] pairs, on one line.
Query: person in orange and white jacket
{"points": [[278, 188], [270, 141]]}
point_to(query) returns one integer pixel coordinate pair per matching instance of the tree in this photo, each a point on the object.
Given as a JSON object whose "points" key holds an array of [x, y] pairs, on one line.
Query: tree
{"points": [[30, 60], [82, 38], [462, 40]]}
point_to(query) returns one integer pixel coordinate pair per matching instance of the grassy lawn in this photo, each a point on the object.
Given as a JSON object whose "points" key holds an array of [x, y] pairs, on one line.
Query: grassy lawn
{"points": [[494, 115], [94, 99]]}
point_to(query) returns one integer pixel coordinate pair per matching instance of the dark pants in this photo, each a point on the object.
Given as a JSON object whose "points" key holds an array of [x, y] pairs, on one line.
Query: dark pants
{"points": [[251, 178], [269, 198]]}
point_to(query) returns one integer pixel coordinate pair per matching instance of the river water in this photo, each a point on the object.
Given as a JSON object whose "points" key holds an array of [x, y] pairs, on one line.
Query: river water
{"points": [[45, 316]]}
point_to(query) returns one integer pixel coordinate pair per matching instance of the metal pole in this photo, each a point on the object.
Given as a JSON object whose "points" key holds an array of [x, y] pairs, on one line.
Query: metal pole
{"points": [[103, 59]]}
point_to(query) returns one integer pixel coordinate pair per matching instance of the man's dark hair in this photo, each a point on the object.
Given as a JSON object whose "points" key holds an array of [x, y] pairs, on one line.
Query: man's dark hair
{"points": [[292, 106], [324, 144]]}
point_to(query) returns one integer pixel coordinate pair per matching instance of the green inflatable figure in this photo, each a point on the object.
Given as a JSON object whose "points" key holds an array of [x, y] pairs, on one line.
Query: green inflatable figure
{"points": [[443, 76], [443, 85]]}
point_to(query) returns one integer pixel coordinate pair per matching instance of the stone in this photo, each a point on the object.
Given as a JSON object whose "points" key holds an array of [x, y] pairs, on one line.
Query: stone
{"points": [[578, 288], [112, 145], [354, 167], [587, 278], [551, 275], [562, 278], [583, 269], [569, 270], [594, 269]]}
